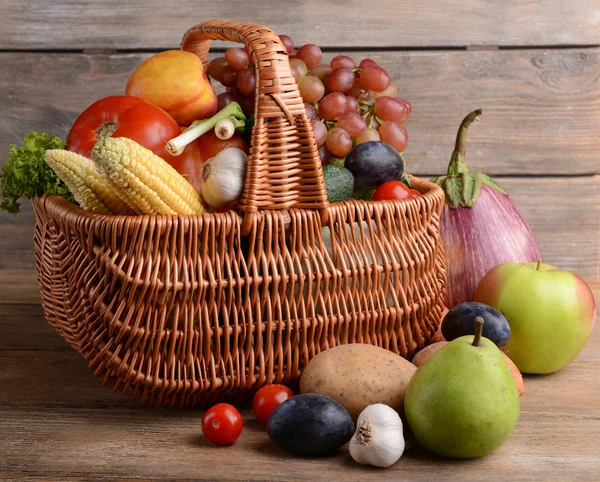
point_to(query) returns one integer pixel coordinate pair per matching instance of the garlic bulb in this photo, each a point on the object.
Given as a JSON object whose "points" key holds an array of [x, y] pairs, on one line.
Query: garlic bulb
{"points": [[378, 439], [223, 177]]}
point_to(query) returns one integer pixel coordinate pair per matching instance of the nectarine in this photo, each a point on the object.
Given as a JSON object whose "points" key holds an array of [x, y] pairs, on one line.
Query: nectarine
{"points": [[175, 81], [516, 374], [426, 352]]}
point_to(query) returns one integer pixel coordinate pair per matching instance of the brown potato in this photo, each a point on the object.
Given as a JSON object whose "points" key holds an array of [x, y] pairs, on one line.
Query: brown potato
{"points": [[357, 376]]}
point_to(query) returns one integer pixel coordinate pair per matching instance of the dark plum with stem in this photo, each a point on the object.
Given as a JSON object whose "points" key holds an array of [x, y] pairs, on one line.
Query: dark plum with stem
{"points": [[460, 321]]}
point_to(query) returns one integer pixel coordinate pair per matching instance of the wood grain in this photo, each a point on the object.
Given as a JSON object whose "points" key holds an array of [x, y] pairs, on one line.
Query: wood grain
{"points": [[564, 214], [139, 24], [541, 107], [19, 286], [61, 423]]}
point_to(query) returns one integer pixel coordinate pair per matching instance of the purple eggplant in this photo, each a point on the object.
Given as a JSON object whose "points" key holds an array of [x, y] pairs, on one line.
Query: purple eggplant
{"points": [[480, 225]]}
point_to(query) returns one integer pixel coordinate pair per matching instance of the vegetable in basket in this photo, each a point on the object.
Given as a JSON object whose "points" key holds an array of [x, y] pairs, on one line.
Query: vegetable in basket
{"points": [[27, 174], [231, 111], [137, 119], [480, 225], [223, 177], [394, 190], [90, 189], [211, 145], [145, 182]]}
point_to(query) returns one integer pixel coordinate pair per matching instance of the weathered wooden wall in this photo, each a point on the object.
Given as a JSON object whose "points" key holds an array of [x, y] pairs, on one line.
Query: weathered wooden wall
{"points": [[534, 68]]}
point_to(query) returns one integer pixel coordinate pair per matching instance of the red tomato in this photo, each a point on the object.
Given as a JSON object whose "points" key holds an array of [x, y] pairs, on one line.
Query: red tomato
{"points": [[141, 121], [226, 208], [268, 398], [413, 193], [210, 145], [391, 190], [222, 424]]}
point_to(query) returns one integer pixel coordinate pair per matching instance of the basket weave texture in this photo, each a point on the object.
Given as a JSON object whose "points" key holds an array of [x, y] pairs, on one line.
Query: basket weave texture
{"points": [[183, 310]]}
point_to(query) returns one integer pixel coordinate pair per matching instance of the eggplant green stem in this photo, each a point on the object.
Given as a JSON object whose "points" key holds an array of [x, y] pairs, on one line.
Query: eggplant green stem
{"points": [[462, 187], [231, 111], [478, 330], [458, 163]]}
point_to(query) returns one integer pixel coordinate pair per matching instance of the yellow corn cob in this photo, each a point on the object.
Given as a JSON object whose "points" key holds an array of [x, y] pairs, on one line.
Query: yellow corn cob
{"points": [[89, 189], [150, 184]]}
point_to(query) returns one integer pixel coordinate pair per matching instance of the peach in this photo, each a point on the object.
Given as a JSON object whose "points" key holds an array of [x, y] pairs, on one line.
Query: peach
{"points": [[426, 352], [437, 337], [175, 81], [516, 374]]}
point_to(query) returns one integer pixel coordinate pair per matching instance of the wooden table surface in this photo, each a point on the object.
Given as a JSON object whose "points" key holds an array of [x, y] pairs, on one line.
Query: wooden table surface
{"points": [[58, 422]]}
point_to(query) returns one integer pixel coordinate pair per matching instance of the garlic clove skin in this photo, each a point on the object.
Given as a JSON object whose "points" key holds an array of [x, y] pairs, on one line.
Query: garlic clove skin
{"points": [[379, 438], [223, 177]]}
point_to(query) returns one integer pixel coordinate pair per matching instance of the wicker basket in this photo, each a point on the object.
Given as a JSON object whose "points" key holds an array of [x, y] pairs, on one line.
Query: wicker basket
{"points": [[181, 310]]}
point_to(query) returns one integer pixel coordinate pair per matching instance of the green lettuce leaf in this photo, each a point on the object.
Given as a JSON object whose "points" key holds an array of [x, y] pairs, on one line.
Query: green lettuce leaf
{"points": [[27, 174]]}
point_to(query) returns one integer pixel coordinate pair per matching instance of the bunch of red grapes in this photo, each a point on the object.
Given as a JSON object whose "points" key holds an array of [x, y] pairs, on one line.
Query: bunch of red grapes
{"points": [[347, 104]]}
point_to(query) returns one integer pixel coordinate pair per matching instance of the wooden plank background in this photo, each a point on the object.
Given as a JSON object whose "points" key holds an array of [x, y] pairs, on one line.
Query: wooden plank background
{"points": [[534, 68], [156, 24]]}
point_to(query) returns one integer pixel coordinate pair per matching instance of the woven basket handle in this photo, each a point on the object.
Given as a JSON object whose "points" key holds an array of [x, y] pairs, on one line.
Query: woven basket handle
{"points": [[284, 168]]}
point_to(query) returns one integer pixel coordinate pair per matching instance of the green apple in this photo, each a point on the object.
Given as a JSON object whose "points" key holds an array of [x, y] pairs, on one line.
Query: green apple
{"points": [[551, 313]]}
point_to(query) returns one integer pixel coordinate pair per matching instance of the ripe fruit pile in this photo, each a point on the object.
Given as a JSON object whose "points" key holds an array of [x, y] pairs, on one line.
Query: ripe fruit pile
{"points": [[347, 104]]}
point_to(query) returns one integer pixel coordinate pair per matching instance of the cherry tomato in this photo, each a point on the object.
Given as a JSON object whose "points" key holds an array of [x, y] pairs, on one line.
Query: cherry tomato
{"points": [[139, 120], [413, 193], [391, 190], [268, 398], [210, 145], [222, 424]]}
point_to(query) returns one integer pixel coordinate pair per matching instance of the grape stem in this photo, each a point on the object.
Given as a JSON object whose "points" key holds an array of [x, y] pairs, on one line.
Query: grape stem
{"points": [[231, 111]]}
